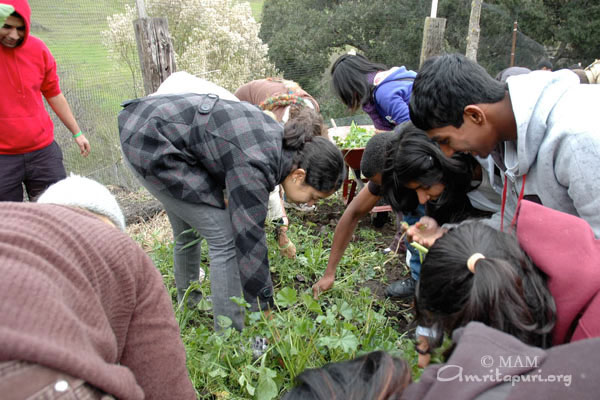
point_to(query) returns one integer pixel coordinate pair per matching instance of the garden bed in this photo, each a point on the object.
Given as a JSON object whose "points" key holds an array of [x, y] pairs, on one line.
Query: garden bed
{"points": [[352, 318]]}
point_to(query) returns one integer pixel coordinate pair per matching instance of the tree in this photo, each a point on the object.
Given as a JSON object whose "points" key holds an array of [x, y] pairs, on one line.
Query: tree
{"points": [[213, 39], [303, 41]]}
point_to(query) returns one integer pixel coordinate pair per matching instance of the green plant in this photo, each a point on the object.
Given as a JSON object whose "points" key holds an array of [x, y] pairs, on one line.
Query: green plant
{"points": [[302, 332], [356, 138]]}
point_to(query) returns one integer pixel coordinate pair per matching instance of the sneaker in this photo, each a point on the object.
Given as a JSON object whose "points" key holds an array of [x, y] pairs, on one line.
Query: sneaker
{"points": [[401, 289], [259, 346], [300, 207]]}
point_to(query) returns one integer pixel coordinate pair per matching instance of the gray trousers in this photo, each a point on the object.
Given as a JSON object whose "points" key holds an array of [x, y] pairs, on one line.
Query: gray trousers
{"points": [[214, 225]]}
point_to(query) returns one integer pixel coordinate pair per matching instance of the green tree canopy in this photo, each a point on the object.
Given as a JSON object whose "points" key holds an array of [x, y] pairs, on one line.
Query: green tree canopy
{"points": [[302, 37]]}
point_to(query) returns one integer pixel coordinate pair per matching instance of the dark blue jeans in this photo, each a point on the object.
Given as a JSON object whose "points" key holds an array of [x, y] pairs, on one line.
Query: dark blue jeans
{"points": [[414, 262], [36, 170]]}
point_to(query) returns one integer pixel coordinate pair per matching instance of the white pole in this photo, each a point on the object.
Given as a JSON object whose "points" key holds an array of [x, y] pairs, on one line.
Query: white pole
{"points": [[434, 8], [141, 7]]}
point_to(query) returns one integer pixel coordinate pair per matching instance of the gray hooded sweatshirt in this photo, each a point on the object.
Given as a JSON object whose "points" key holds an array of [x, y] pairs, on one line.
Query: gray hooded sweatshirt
{"points": [[557, 146]]}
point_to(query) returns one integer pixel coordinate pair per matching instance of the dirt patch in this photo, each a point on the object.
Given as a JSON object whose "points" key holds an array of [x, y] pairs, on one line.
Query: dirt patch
{"points": [[137, 206], [327, 214]]}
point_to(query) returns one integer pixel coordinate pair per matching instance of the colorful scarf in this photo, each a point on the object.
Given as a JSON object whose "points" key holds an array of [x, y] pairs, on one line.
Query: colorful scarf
{"points": [[283, 99]]}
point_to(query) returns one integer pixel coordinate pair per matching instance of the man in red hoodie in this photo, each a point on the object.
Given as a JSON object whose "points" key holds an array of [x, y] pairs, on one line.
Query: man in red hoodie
{"points": [[28, 153]]}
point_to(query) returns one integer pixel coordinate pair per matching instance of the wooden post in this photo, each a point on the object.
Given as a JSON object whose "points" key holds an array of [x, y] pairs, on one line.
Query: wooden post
{"points": [[474, 30], [514, 45], [155, 50], [433, 38]]}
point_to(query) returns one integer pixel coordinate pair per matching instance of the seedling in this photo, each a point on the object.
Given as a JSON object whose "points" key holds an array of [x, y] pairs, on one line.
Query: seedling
{"points": [[356, 138], [421, 249]]}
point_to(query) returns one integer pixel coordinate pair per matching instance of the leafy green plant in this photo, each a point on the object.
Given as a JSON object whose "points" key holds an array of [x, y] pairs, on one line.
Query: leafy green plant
{"points": [[301, 332], [356, 138]]}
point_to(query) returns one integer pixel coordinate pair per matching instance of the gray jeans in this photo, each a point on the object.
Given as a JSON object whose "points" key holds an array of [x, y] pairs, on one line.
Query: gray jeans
{"points": [[214, 225]]}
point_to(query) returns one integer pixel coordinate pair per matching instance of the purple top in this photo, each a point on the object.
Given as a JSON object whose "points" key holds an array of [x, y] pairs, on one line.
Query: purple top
{"points": [[370, 108]]}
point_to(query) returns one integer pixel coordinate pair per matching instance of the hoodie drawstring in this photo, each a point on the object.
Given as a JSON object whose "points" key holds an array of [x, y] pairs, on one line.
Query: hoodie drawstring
{"points": [[514, 220]]}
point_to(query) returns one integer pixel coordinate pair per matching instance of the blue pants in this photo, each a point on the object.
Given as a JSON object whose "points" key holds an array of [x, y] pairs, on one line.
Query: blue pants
{"points": [[414, 262]]}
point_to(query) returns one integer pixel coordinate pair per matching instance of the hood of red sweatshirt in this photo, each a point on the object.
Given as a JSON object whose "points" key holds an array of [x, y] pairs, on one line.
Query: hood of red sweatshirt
{"points": [[22, 7]]}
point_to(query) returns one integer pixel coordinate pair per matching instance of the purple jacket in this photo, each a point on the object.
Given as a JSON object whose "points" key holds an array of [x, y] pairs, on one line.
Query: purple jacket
{"points": [[389, 106]]}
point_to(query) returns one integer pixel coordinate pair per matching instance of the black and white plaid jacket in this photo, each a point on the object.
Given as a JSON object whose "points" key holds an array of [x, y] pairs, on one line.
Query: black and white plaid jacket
{"points": [[196, 146]]}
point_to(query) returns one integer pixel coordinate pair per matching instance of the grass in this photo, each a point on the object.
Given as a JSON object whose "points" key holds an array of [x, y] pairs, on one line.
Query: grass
{"points": [[257, 6], [94, 86], [345, 322]]}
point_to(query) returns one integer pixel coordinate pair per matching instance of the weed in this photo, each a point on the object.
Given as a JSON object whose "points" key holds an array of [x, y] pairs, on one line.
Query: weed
{"points": [[344, 323]]}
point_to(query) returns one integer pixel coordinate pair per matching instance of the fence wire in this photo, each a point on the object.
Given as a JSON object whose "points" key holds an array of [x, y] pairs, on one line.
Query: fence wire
{"points": [[95, 86]]}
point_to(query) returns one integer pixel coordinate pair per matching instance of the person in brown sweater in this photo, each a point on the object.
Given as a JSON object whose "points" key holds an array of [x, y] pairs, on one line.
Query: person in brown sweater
{"points": [[82, 307], [288, 103], [278, 96]]}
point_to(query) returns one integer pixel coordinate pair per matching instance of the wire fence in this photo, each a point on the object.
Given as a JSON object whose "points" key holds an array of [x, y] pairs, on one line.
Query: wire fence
{"points": [[95, 86]]}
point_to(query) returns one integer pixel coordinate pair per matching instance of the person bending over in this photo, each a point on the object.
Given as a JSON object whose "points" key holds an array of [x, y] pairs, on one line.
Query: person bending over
{"points": [[192, 152], [84, 311]]}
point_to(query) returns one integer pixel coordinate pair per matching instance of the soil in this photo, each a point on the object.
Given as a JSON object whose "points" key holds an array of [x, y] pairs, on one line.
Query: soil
{"points": [[328, 213], [137, 206]]}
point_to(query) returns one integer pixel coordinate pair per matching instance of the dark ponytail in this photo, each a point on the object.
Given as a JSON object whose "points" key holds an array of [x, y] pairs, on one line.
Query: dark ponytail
{"points": [[320, 158], [506, 291], [304, 122]]}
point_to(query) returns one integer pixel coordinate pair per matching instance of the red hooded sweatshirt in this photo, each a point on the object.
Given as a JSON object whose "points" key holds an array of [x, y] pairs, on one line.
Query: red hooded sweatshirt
{"points": [[26, 72], [564, 247]]}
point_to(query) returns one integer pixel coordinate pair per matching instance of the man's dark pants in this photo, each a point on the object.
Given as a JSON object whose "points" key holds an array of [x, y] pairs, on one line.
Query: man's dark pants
{"points": [[36, 170]]}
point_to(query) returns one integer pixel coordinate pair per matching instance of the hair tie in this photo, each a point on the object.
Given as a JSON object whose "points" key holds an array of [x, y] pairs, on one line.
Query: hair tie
{"points": [[472, 260]]}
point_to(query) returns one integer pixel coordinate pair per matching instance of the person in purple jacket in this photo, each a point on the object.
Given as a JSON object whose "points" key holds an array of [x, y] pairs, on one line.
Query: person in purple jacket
{"points": [[384, 94]]}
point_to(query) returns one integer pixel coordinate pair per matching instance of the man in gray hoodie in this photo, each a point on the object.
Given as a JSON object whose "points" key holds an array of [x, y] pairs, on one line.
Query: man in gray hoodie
{"points": [[542, 129]]}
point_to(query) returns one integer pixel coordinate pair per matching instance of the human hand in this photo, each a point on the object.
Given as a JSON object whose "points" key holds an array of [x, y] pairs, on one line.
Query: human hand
{"points": [[423, 360], [425, 232], [286, 247], [422, 347], [5, 11], [288, 250], [322, 285], [84, 145]]}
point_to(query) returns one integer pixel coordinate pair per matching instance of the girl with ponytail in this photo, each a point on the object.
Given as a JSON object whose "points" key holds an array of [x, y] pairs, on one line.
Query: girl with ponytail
{"points": [[540, 283], [476, 273]]}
